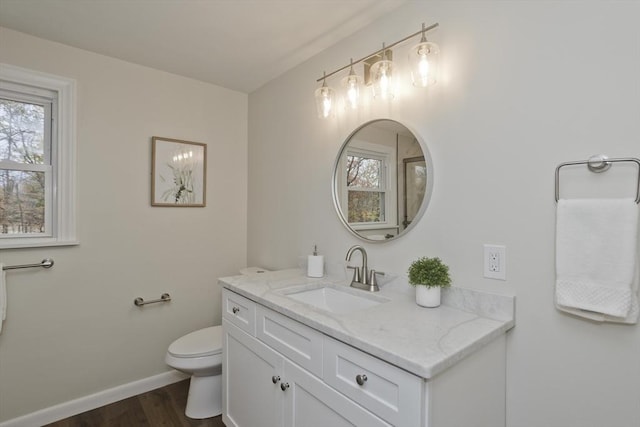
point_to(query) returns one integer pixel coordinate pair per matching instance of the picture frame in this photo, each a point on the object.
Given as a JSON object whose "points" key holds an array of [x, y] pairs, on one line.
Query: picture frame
{"points": [[178, 173]]}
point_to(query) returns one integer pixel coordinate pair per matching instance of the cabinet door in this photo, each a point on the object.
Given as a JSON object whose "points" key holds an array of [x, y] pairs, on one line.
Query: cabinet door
{"points": [[311, 403], [251, 395]]}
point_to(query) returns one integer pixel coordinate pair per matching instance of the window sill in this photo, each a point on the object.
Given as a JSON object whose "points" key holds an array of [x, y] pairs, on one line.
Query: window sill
{"points": [[35, 243], [374, 227]]}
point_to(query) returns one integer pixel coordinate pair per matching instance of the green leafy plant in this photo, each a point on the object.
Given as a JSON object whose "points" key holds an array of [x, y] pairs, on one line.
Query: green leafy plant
{"points": [[429, 272]]}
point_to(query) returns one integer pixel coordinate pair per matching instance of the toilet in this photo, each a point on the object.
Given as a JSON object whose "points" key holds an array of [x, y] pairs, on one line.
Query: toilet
{"points": [[199, 354]]}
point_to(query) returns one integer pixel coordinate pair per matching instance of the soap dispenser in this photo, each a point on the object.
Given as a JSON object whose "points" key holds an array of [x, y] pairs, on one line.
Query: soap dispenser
{"points": [[315, 264]]}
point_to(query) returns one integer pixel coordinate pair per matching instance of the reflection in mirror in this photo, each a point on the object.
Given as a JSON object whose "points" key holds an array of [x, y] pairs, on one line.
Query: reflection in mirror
{"points": [[381, 180], [415, 183]]}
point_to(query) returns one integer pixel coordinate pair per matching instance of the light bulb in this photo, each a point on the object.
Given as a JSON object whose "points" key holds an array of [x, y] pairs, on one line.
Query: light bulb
{"points": [[353, 93], [424, 60], [352, 84], [326, 104], [382, 77], [324, 100]]}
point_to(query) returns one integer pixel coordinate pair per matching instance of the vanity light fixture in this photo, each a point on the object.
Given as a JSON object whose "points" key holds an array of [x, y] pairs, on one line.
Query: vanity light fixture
{"points": [[324, 100], [352, 85], [424, 57]]}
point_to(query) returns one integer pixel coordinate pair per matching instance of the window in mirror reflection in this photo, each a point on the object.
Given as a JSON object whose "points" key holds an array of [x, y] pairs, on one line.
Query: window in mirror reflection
{"points": [[366, 195], [367, 183]]}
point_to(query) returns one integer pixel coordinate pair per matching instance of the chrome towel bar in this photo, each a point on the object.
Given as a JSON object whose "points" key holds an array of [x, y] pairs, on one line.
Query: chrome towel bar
{"points": [[163, 298], [46, 263], [599, 163]]}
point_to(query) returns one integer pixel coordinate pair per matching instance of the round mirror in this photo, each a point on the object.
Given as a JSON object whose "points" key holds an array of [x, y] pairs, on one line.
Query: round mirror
{"points": [[382, 180]]}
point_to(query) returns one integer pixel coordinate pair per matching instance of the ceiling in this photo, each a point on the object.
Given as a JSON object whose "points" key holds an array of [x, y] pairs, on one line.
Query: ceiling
{"points": [[237, 44]]}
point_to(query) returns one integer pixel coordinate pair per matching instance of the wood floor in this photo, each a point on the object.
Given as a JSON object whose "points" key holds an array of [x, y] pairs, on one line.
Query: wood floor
{"points": [[161, 407]]}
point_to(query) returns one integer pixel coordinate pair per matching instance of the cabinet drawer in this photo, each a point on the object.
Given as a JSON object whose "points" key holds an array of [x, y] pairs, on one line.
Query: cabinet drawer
{"points": [[239, 310], [296, 341], [389, 392]]}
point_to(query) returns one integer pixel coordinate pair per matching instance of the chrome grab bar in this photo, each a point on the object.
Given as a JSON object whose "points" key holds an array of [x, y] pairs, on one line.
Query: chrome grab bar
{"points": [[163, 298], [46, 263]]}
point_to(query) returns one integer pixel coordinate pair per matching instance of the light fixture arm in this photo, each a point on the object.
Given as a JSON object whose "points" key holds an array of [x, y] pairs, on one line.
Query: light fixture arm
{"points": [[422, 31], [423, 39], [324, 79], [351, 72]]}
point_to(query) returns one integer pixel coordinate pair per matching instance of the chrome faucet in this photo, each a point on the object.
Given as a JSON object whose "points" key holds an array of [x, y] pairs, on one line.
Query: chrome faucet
{"points": [[361, 278]]}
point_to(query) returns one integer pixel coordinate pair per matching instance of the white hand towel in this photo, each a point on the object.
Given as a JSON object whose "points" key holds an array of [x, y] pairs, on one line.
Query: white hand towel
{"points": [[631, 318], [596, 257], [3, 296]]}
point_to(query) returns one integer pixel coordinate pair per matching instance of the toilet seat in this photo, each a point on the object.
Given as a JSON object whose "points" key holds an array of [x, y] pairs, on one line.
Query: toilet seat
{"points": [[200, 343]]}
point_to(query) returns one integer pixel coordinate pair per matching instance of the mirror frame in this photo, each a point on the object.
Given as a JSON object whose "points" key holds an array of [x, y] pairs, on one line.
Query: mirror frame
{"points": [[428, 190]]}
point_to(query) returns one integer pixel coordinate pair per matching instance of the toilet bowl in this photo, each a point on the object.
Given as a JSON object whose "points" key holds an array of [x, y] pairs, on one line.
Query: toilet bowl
{"points": [[199, 354]]}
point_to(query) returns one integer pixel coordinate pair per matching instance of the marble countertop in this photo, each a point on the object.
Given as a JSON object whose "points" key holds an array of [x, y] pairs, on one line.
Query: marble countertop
{"points": [[423, 341]]}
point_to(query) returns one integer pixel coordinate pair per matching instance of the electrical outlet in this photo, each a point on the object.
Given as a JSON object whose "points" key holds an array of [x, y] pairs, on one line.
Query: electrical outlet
{"points": [[495, 262]]}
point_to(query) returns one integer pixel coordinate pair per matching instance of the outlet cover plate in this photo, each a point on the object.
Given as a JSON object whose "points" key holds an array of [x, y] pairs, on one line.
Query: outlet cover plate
{"points": [[495, 262]]}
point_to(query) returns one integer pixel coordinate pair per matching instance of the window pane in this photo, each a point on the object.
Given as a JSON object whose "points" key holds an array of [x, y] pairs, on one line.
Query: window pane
{"points": [[21, 202], [366, 206], [364, 172], [21, 132]]}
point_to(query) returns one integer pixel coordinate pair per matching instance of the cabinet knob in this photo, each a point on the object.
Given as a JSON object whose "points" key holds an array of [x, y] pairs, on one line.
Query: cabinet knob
{"points": [[284, 386], [275, 379], [235, 310], [361, 379]]}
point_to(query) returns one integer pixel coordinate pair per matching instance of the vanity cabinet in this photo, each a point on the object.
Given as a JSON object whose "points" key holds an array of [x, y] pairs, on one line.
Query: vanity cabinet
{"points": [[265, 387], [280, 372], [262, 388]]}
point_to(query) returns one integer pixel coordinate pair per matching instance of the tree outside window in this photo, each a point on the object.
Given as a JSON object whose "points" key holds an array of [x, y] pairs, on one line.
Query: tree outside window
{"points": [[366, 196], [22, 183]]}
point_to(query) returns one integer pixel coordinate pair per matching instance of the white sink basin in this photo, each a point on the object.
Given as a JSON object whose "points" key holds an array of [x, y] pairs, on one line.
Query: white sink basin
{"points": [[335, 299]]}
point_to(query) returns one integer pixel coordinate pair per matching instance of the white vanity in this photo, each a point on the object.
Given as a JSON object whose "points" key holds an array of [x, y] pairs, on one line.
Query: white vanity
{"points": [[288, 360]]}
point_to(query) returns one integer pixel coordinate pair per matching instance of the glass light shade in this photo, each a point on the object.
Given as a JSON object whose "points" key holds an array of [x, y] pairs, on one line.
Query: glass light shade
{"points": [[351, 85], [382, 79], [324, 101], [424, 60]]}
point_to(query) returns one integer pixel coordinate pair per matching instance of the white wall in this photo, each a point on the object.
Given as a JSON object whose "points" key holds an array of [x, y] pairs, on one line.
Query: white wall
{"points": [[528, 85], [73, 330]]}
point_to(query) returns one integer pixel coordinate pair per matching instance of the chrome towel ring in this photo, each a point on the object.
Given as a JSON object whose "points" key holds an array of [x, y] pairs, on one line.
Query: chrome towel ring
{"points": [[599, 163]]}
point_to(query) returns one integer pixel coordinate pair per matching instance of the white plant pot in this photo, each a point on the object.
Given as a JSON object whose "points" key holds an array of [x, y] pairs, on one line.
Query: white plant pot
{"points": [[428, 297]]}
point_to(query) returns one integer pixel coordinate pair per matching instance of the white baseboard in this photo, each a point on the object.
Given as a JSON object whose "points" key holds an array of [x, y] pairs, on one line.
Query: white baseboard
{"points": [[96, 400]]}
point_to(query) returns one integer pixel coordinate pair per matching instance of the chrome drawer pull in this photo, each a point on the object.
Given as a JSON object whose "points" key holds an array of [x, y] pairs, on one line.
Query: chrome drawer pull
{"points": [[235, 310], [361, 379], [275, 379], [284, 386]]}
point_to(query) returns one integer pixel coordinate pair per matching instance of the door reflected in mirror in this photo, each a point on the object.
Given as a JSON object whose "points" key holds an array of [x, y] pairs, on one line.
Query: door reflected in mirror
{"points": [[415, 183], [381, 180]]}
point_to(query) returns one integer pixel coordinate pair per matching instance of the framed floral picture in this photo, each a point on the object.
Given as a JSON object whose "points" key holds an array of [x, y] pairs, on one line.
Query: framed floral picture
{"points": [[178, 173]]}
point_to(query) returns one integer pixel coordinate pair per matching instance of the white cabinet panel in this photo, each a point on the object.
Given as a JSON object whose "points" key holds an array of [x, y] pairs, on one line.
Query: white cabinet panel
{"points": [[294, 340], [240, 311], [250, 396], [387, 391], [312, 403]]}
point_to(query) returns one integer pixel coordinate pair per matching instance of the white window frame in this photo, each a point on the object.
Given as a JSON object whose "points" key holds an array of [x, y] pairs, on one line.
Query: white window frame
{"points": [[387, 155], [63, 212]]}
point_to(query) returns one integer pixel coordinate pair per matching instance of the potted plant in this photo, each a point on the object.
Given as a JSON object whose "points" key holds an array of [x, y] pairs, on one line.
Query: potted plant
{"points": [[429, 275]]}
